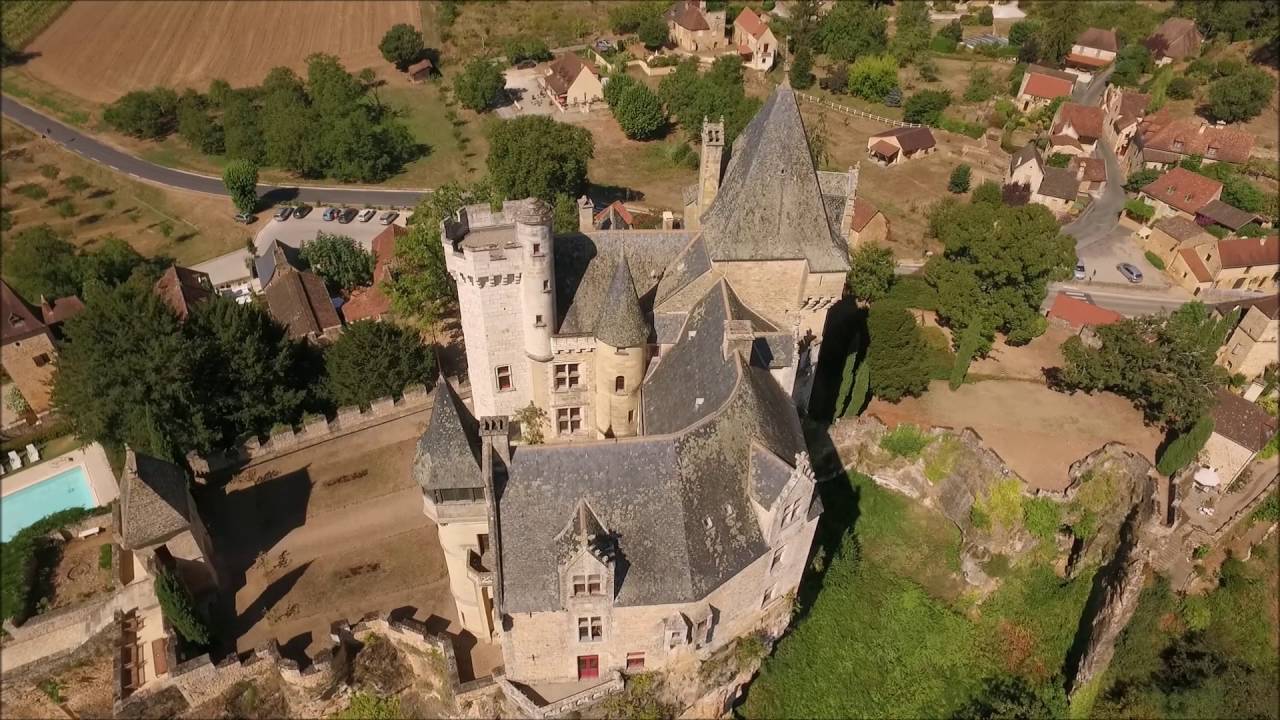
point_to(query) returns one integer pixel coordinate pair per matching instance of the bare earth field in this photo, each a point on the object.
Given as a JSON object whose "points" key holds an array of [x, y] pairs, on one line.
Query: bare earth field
{"points": [[102, 50]]}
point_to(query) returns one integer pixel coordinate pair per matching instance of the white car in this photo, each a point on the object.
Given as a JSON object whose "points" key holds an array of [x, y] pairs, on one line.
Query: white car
{"points": [[388, 217], [366, 215]]}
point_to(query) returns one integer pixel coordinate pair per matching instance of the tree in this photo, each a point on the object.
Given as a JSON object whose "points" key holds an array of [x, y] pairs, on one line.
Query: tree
{"points": [[1133, 61], [1060, 23], [179, 609], [959, 181], [535, 156], [1164, 365], [342, 263], [615, 85], [852, 29], [971, 342], [75, 183], [952, 31], [986, 16], [1140, 179], [372, 359], [870, 272], [241, 132], [639, 113], [653, 32], [872, 77], [146, 114], [240, 177], [897, 357], [564, 215], [1013, 697], [522, 48], [691, 96], [801, 72], [420, 285], [479, 85], [1239, 97], [1184, 448], [41, 262], [981, 84], [911, 31], [988, 192], [1021, 31], [861, 389], [926, 106], [532, 420], [1182, 88], [401, 46], [114, 261], [196, 127]]}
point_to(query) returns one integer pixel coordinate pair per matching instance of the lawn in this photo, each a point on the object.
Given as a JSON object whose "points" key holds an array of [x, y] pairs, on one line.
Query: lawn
{"points": [[481, 27]]}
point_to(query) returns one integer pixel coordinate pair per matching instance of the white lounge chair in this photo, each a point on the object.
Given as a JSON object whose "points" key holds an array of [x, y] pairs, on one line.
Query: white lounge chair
{"points": [[33, 455], [14, 461]]}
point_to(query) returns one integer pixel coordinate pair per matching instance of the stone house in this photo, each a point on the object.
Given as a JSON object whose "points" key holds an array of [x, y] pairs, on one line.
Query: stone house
{"points": [[1240, 430], [891, 147], [421, 70], [1170, 234], [572, 83], [1181, 191], [1055, 188], [671, 508], [754, 40], [1232, 263], [693, 28], [1176, 39], [1058, 191], [182, 288], [1167, 140], [296, 298], [29, 343], [1124, 112], [1255, 342], [1026, 167], [1217, 212], [1076, 129], [1093, 50], [1041, 86], [1092, 174], [867, 224]]}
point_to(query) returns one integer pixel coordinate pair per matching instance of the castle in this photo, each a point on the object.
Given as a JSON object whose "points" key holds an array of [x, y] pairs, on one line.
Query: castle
{"points": [[673, 503]]}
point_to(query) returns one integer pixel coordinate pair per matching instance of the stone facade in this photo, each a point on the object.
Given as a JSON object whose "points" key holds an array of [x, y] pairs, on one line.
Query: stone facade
{"points": [[1254, 344]]}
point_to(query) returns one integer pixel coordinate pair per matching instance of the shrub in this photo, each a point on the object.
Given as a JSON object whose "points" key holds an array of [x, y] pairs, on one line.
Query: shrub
{"points": [[1182, 88], [75, 184], [961, 127], [986, 16], [179, 609], [1240, 96], [1139, 210], [31, 190], [368, 706], [926, 106], [906, 441], [66, 208], [1154, 259], [1183, 449], [1003, 503], [913, 291], [1059, 160], [479, 85], [1140, 179], [987, 192], [960, 177], [519, 49], [1042, 517], [104, 556], [49, 171], [18, 562], [872, 77], [1269, 510]]}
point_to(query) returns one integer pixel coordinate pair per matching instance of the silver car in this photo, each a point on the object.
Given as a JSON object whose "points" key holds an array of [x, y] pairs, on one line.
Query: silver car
{"points": [[1130, 272], [388, 217]]}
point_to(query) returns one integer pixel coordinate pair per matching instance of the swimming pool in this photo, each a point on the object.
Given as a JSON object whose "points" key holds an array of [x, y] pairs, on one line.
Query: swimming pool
{"points": [[68, 489]]}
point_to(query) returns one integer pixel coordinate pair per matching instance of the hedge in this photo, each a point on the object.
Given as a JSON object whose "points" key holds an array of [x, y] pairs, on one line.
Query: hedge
{"points": [[1155, 260], [17, 561], [1184, 448], [38, 437]]}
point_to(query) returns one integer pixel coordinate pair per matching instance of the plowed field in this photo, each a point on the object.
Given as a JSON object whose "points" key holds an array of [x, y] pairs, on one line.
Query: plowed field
{"points": [[101, 50]]}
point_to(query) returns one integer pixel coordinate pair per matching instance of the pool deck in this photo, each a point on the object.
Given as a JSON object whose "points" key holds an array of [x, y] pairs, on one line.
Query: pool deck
{"points": [[102, 481]]}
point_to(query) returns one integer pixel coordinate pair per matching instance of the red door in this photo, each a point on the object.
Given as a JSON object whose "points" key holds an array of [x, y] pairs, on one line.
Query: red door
{"points": [[588, 667]]}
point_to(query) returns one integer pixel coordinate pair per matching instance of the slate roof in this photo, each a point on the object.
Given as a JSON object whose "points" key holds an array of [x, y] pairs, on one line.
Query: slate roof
{"points": [[621, 322], [1241, 422], [1225, 215], [18, 320], [181, 288], [686, 14], [153, 501], [1098, 39], [1028, 153], [1247, 252], [265, 264], [1180, 228], [584, 269], [1182, 189], [1059, 183], [769, 206], [449, 451]]}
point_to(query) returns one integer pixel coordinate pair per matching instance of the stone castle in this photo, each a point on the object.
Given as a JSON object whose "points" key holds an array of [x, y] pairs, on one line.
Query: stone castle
{"points": [[672, 506]]}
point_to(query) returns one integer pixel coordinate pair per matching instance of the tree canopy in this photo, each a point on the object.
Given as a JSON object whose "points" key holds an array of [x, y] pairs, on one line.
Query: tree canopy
{"points": [[636, 108], [898, 356], [870, 272], [1240, 96], [479, 85], [342, 263], [691, 96], [925, 107], [401, 45], [535, 156], [911, 31], [420, 286], [240, 177], [873, 76], [853, 29], [42, 262], [375, 359]]}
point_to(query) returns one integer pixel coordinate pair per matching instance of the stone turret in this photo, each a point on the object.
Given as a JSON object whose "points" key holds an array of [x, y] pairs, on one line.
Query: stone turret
{"points": [[712, 161], [621, 354], [537, 291], [586, 214]]}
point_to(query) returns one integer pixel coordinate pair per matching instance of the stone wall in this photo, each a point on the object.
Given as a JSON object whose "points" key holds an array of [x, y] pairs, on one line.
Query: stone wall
{"points": [[348, 419], [61, 632]]}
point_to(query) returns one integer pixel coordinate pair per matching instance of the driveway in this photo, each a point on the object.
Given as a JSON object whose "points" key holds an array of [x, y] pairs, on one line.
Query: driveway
{"points": [[1091, 94], [296, 231], [1100, 218], [1118, 245], [523, 88]]}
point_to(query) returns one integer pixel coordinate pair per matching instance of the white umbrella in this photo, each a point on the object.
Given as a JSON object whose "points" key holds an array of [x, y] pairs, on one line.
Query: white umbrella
{"points": [[1207, 477]]}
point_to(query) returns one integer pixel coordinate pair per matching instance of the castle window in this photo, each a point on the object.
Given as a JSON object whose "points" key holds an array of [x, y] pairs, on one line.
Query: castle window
{"points": [[537, 321], [635, 662], [768, 595], [447, 495], [579, 585], [537, 248], [586, 585], [789, 514], [594, 585], [504, 378], [777, 559], [702, 632], [619, 384], [567, 376], [674, 638], [569, 420], [546, 286], [590, 629]]}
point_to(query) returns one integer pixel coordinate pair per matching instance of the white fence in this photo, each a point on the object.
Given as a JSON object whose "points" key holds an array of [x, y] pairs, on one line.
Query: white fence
{"points": [[855, 112]]}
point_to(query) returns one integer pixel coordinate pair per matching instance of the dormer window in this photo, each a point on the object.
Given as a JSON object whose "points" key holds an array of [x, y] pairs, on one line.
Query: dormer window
{"points": [[584, 585], [16, 320], [1177, 145]]}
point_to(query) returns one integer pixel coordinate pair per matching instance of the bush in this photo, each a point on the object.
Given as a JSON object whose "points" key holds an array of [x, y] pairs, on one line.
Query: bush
{"points": [[179, 609], [988, 192], [1155, 260], [66, 208], [1140, 179], [31, 190], [104, 556], [1183, 449], [1042, 517], [1059, 160], [520, 49], [913, 291], [1139, 210], [639, 113], [906, 441], [1003, 503], [49, 171], [926, 106], [961, 127], [872, 77], [1182, 88], [960, 178], [18, 562]]}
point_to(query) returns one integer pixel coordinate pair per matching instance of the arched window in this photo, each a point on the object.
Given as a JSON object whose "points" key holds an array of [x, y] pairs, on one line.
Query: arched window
{"points": [[619, 384]]}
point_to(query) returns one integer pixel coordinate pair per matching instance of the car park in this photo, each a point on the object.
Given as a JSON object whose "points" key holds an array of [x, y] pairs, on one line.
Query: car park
{"points": [[388, 217], [283, 213], [1130, 272], [1080, 271], [329, 214], [245, 218], [346, 215], [367, 214], [301, 211]]}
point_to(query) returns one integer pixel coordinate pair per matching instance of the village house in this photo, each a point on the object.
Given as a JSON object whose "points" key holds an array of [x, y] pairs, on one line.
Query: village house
{"points": [[754, 40], [1233, 263], [572, 83], [1080, 315], [1166, 236], [1255, 342], [371, 303], [1219, 213], [182, 288], [1167, 140], [867, 224], [1055, 188], [1176, 39], [1026, 167], [1181, 191], [671, 508], [296, 298], [1240, 430], [1124, 112], [1092, 174], [1041, 86], [1093, 50], [891, 147], [1058, 190], [695, 29], [1076, 129], [29, 343]]}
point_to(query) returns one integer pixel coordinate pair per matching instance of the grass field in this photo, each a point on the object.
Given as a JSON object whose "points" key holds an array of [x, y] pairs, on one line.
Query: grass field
{"points": [[481, 26], [22, 20]]}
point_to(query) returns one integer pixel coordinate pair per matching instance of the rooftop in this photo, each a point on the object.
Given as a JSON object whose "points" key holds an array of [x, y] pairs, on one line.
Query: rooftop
{"points": [[1182, 189], [1226, 216], [1241, 422], [1098, 39], [153, 501], [1250, 252]]}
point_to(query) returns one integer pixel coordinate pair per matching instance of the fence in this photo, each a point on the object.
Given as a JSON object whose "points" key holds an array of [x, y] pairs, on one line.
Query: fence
{"points": [[855, 112]]}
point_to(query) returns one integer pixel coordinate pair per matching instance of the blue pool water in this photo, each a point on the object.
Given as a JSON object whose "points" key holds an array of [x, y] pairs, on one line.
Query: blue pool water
{"points": [[67, 489]]}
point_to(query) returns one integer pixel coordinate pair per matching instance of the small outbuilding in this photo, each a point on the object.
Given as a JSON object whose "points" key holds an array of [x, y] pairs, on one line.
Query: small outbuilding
{"points": [[420, 70], [894, 146]]}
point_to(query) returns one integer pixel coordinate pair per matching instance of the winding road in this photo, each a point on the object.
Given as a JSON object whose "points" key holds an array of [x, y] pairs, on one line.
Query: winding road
{"points": [[97, 151]]}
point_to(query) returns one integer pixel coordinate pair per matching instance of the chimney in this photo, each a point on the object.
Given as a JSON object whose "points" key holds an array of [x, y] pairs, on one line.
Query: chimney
{"points": [[494, 436], [1200, 130], [586, 214], [738, 338], [668, 220]]}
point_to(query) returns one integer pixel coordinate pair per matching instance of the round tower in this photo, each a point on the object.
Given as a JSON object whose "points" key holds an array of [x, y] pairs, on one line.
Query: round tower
{"points": [[621, 355], [537, 294]]}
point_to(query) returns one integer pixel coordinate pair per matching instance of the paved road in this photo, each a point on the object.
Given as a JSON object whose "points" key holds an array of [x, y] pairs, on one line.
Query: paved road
{"points": [[1100, 218], [1091, 94], [1128, 301], [91, 149]]}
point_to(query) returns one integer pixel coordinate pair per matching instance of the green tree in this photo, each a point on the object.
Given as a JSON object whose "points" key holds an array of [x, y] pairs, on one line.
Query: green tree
{"points": [[870, 272], [342, 263], [146, 114], [987, 192], [179, 609], [1182, 88], [564, 215], [535, 156], [639, 113], [852, 29], [691, 96], [986, 16], [801, 72], [982, 84], [861, 390], [241, 132], [1183, 449], [971, 341], [653, 32], [401, 46], [873, 76], [925, 107], [240, 177], [614, 87], [1132, 62], [41, 262], [532, 420], [420, 286], [1241, 96], [911, 31], [479, 85], [114, 261], [196, 127], [1021, 31], [897, 358], [375, 359], [523, 47], [1013, 697], [1060, 23], [960, 178]]}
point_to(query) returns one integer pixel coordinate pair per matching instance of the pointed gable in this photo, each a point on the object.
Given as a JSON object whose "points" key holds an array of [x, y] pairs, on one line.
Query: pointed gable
{"points": [[17, 319], [621, 322], [769, 206], [153, 501], [449, 450]]}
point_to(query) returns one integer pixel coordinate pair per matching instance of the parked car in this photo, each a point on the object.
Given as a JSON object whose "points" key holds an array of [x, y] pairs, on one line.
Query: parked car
{"points": [[388, 217], [330, 214], [366, 215], [301, 211], [245, 218], [1080, 271], [347, 215], [284, 213], [1130, 272]]}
